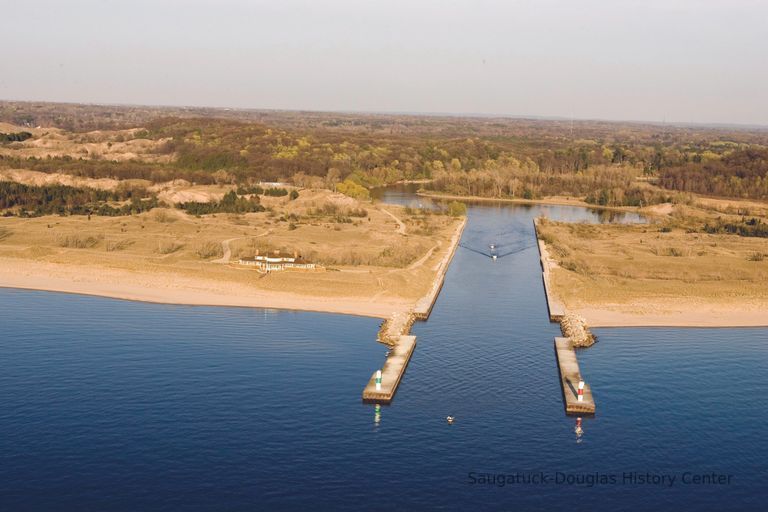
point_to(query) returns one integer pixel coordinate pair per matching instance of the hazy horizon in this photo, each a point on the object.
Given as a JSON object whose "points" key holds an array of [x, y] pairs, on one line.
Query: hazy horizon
{"points": [[656, 61]]}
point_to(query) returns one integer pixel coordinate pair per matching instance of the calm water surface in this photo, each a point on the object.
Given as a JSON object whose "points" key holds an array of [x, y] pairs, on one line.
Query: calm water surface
{"points": [[113, 405]]}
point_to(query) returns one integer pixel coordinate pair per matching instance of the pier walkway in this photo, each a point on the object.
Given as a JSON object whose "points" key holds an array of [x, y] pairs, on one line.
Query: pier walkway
{"points": [[391, 372], [570, 377], [554, 305]]}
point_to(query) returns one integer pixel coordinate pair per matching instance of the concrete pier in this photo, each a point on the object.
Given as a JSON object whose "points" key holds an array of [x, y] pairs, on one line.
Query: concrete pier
{"points": [[424, 305], [395, 330], [392, 371], [567, 363], [569, 379], [554, 305]]}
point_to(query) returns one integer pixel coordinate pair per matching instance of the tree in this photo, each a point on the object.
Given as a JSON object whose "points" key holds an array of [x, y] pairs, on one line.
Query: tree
{"points": [[332, 177], [457, 209], [352, 189]]}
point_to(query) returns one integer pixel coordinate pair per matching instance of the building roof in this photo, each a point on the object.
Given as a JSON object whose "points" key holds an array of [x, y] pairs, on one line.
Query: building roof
{"points": [[276, 257]]}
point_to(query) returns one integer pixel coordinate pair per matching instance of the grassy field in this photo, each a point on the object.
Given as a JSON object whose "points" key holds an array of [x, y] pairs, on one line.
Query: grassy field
{"points": [[670, 267]]}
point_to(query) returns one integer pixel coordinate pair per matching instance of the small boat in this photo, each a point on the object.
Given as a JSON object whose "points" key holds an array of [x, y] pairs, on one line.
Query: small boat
{"points": [[449, 419]]}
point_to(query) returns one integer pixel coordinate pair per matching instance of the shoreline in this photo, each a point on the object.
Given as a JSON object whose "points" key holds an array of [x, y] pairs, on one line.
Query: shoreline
{"points": [[175, 289], [552, 200], [189, 304], [191, 293]]}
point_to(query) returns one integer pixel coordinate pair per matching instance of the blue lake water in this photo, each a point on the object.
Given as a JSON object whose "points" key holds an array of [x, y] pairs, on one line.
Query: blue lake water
{"points": [[115, 405]]}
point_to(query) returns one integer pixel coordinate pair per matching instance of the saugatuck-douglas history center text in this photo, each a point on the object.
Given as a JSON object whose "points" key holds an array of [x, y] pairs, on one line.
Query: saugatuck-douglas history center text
{"points": [[598, 478]]}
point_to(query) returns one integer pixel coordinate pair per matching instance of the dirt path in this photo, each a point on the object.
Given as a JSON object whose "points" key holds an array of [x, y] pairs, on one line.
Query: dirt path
{"points": [[400, 224], [228, 250], [416, 264]]}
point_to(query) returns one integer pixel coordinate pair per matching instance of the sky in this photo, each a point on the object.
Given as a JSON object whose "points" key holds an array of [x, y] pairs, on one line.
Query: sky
{"points": [[701, 61]]}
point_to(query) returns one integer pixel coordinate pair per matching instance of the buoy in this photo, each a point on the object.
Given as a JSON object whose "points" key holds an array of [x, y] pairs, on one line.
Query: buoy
{"points": [[449, 419], [581, 391]]}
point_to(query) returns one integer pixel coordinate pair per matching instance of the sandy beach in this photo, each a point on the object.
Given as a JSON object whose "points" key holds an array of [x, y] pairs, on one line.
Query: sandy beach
{"points": [[679, 314], [170, 288]]}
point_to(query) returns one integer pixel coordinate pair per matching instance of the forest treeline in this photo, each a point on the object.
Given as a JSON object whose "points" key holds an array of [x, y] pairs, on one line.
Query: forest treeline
{"points": [[15, 137], [601, 185], [742, 173], [230, 203], [599, 161], [259, 190], [33, 201], [747, 226]]}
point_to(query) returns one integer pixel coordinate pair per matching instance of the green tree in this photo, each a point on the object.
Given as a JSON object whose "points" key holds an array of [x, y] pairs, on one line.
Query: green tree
{"points": [[352, 189], [457, 209]]}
